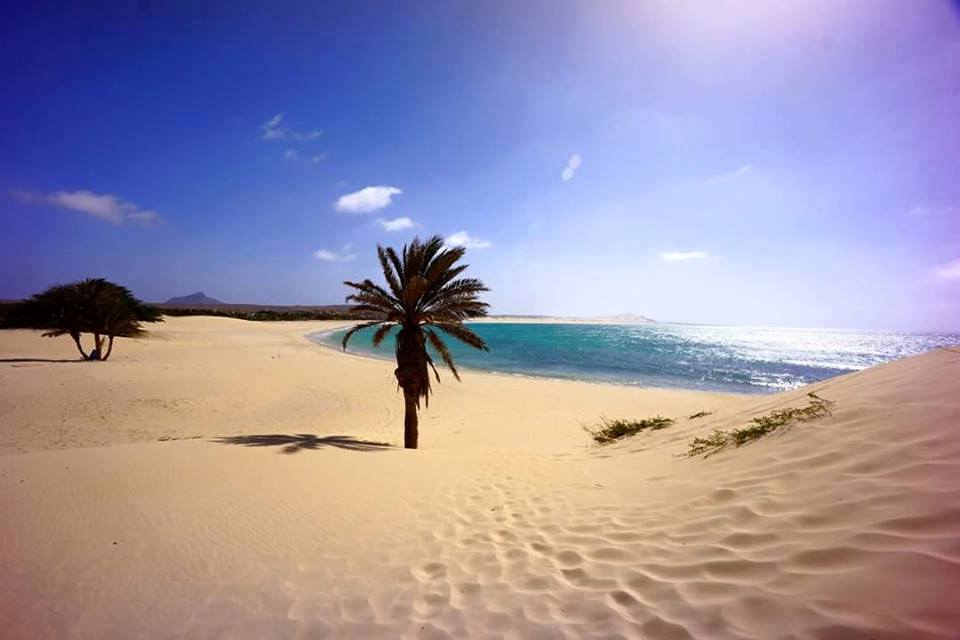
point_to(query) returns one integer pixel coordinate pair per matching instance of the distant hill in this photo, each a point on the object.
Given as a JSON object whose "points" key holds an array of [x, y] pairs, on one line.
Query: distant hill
{"points": [[194, 299], [626, 318], [200, 304]]}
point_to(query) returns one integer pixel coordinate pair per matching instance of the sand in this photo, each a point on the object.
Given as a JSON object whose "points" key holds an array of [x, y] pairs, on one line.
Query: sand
{"points": [[167, 494]]}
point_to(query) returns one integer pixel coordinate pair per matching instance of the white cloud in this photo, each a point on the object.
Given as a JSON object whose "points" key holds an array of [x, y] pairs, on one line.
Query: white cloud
{"points": [[397, 224], [367, 199], [291, 154], [678, 256], [730, 175], [572, 165], [102, 206], [463, 239], [923, 211], [948, 271], [320, 157], [274, 129], [144, 216], [334, 256]]}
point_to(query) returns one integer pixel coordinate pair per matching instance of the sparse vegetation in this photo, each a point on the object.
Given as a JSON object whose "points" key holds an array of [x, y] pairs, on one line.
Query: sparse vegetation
{"points": [[97, 306], [760, 427], [266, 315], [614, 430], [701, 414]]}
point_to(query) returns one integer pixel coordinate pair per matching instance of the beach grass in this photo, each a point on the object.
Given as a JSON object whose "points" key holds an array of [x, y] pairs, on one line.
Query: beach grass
{"points": [[760, 426], [613, 430]]}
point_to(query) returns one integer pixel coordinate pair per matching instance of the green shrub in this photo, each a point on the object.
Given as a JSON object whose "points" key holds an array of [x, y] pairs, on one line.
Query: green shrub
{"points": [[714, 442], [613, 430], [760, 426]]}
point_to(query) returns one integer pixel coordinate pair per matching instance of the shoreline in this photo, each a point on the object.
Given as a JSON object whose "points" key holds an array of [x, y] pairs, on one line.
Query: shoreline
{"points": [[533, 376], [159, 386], [785, 364]]}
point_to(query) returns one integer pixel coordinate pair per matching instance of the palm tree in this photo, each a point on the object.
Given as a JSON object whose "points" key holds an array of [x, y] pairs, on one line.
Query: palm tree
{"points": [[423, 296], [95, 305]]}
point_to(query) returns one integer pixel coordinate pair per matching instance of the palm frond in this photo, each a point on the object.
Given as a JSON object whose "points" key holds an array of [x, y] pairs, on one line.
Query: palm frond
{"points": [[370, 288], [371, 299], [462, 334], [442, 263], [396, 262], [412, 293], [382, 332], [358, 327], [432, 248], [440, 346], [435, 373], [389, 274], [436, 281]]}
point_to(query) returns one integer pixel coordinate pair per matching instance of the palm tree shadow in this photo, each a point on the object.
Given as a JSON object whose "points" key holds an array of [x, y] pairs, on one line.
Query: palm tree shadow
{"points": [[15, 360], [294, 443]]}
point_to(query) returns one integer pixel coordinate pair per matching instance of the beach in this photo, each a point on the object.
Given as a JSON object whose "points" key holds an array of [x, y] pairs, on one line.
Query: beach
{"points": [[230, 479]]}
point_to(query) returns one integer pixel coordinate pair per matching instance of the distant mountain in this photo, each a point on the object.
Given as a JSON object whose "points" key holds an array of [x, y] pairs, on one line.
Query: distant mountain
{"points": [[196, 299], [626, 318]]}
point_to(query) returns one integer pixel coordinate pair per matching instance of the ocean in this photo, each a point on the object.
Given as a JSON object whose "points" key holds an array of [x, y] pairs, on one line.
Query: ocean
{"points": [[715, 358]]}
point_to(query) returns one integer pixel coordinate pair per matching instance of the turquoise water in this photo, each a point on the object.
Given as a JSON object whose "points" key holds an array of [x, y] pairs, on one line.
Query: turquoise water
{"points": [[737, 359]]}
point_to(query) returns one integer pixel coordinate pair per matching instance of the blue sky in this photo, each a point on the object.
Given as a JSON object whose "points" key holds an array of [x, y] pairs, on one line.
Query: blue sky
{"points": [[733, 162]]}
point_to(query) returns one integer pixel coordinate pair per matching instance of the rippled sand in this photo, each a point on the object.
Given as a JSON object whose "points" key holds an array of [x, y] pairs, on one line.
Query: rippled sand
{"points": [[191, 489]]}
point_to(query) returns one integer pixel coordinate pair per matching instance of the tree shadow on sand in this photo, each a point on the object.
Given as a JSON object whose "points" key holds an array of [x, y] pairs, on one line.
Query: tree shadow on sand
{"points": [[294, 443], [15, 360]]}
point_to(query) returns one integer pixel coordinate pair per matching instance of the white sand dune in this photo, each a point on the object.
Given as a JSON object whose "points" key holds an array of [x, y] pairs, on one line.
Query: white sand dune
{"points": [[505, 525]]}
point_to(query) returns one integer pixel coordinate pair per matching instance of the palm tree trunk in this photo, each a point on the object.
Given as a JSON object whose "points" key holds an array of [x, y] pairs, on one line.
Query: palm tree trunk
{"points": [[76, 341], [410, 432], [109, 349]]}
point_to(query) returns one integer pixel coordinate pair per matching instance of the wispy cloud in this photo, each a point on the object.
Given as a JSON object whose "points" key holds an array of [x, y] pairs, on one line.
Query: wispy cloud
{"points": [[275, 129], [679, 256], [925, 211], [335, 256], [730, 175], [397, 224], [101, 206], [572, 165], [463, 239], [291, 154], [320, 157], [948, 271], [367, 199]]}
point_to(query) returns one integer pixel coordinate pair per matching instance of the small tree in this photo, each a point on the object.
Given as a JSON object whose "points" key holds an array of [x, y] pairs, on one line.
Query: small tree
{"points": [[95, 305]]}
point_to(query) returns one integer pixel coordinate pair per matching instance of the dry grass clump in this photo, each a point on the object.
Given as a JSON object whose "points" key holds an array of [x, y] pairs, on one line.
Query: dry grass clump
{"points": [[760, 427], [613, 430]]}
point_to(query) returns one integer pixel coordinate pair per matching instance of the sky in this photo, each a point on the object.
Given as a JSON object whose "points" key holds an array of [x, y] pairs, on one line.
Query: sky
{"points": [[754, 163]]}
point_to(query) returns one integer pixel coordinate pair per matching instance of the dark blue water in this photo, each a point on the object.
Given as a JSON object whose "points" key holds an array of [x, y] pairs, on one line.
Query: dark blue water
{"points": [[737, 359]]}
